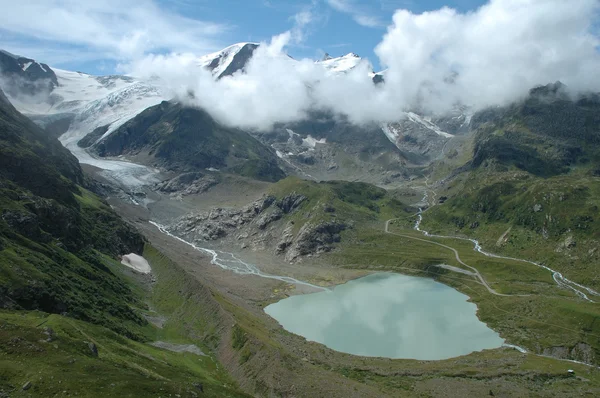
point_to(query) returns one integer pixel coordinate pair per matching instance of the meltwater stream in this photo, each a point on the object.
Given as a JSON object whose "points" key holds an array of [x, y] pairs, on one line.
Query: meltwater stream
{"points": [[228, 261], [561, 281]]}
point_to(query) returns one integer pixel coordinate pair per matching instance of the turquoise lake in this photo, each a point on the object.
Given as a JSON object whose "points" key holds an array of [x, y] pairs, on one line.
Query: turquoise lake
{"points": [[388, 315]]}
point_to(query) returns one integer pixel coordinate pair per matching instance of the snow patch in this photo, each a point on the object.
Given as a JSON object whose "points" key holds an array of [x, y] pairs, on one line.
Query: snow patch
{"points": [[26, 65], [224, 56], [312, 142], [291, 133], [341, 64], [390, 133], [137, 263], [426, 122]]}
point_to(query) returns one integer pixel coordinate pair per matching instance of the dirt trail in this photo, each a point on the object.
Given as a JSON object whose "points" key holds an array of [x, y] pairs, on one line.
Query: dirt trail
{"points": [[561, 281], [456, 255]]}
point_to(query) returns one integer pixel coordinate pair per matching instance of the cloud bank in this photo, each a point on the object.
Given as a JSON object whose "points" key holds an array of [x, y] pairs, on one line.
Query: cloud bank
{"points": [[434, 60], [115, 29]]}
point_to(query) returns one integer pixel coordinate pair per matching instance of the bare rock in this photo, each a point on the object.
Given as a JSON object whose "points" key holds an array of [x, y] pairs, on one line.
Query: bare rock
{"points": [[26, 386], [268, 218], [199, 387], [219, 223], [291, 202], [50, 333], [93, 349], [315, 239], [286, 239], [580, 352], [566, 244], [188, 184]]}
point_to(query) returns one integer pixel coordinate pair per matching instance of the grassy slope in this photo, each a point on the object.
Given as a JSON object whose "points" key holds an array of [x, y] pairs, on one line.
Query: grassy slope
{"points": [[548, 317], [540, 213], [188, 139], [58, 249], [124, 367], [349, 202]]}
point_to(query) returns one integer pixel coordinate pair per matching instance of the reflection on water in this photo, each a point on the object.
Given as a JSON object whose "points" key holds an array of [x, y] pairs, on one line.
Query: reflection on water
{"points": [[388, 315]]}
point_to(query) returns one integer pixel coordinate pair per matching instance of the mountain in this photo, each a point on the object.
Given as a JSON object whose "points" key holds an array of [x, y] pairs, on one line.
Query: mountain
{"points": [[94, 107], [67, 304], [53, 232], [189, 139], [328, 147], [342, 64], [531, 186], [26, 76], [31, 159], [229, 60]]}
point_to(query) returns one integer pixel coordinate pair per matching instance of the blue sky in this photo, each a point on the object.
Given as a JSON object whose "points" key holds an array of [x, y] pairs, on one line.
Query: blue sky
{"points": [[334, 30], [96, 38]]}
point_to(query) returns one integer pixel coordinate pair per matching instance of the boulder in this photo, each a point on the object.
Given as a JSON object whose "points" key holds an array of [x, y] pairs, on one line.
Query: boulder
{"points": [[93, 349]]}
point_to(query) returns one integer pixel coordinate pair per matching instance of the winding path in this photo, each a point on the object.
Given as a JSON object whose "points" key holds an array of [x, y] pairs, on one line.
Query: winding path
{"points": [[456, 255], [561, 281]]}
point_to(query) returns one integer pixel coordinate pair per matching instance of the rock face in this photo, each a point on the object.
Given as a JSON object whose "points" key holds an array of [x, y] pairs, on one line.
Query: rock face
{"points": [[291, 202], [188, 184], [259, 225], [186, 139], [24, 76], [287, 238], [580, 352], [219, 223], [315, 239], [268, 218]]}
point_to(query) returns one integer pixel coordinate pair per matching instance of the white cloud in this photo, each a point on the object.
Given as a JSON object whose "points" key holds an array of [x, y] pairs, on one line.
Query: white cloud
{"points": [[358, 13], [495, 54], [115, 29], [498, 51]]}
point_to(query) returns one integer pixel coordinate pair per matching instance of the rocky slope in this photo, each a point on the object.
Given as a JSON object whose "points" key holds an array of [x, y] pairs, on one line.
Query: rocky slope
{"points": [[54, 234], [328, 147], [190, 140], [295, 220], [24, 76]]}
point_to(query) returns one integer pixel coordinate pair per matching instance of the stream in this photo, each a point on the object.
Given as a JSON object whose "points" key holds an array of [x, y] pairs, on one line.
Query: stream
{"points": [[557, 276]]}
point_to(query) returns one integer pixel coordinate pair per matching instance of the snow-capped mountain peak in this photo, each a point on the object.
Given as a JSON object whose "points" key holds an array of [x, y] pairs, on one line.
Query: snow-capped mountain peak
{"points": [[229, 60], [342, 64]]}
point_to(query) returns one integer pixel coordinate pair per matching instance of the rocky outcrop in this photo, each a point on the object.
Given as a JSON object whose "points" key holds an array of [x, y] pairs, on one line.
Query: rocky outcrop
{"points": [[256, 225], [291, 202], [579, 352], [268, 218], [219, 223], [188, 184], [315, 239], [91, 138], [287, 238]]}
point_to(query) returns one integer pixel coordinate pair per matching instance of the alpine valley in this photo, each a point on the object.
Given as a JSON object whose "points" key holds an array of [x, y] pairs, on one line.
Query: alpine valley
{"points": [[147, 244]]}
